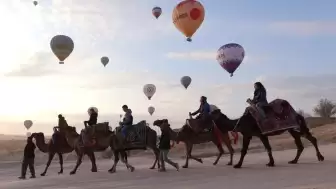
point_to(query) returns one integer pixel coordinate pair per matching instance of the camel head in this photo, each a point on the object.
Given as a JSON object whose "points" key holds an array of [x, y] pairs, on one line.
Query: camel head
{"points": [[161, 122]]}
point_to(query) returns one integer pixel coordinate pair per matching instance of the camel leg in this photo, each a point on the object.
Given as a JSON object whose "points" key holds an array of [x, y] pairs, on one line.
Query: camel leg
{"points": [[60, 157], [123, 159], [227, 142], [50, 158], [265, 141], [92, 157], [220, 149], [313, 140], [78, 163], [156, 153], [189, 148], [246, 143], [116, 160], [299, 146]]}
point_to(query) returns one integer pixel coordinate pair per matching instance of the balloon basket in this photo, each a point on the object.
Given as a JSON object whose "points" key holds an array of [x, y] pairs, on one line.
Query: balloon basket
{"points": [[61, 62], [189, 39]]}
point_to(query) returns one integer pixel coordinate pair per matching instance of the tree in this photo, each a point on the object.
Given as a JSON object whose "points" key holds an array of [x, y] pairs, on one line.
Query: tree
{"points": [[325, 108], [303, 113]]}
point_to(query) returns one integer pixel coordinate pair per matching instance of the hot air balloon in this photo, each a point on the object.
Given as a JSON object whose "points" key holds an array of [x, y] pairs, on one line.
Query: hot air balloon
{"points": [[94, 108], [149, 90], [28, 123], [151, 110], [62, 46], [28, 134], [104, 60], [185, 81], [230, 56], [35, 3], [157, 11], [188, 16]]}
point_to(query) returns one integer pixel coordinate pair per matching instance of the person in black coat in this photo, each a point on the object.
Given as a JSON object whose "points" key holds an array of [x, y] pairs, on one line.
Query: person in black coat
{"points": [[164, 147], [259, 98], [93, 118], [28, 159]]}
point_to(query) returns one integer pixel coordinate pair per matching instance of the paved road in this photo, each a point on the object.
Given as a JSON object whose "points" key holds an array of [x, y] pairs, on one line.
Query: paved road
{"points": [[308, 174]]}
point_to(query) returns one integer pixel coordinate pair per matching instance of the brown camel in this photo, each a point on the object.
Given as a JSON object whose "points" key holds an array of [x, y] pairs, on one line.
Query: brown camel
{"points": [[189, 137], [248, 127], [60, 147], [106, 139], [101, 143]]}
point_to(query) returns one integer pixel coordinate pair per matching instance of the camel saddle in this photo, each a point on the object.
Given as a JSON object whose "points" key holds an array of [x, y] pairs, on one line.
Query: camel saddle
{"points": [[280, 115], [136, 136], [90, 133], [202, 124]]}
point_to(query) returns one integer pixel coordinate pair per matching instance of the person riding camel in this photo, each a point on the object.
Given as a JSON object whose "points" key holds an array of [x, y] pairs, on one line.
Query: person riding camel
{"points": [[204, 109], [93, 118], [259, 98], [127, 120], [62, 123]]}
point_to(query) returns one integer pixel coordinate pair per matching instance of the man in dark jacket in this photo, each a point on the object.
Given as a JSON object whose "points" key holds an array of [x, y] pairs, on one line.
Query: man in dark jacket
{"points": [[28, 159], [203, 110], [93, 118], [164, 147]]}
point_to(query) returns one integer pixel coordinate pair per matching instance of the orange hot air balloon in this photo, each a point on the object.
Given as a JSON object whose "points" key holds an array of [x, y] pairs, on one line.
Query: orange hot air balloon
{"points": [[188, 16]]}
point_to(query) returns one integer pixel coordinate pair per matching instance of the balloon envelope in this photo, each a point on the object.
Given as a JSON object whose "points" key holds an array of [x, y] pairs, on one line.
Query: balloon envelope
{"points": [[185, 81], [188, 16], [35, 3], [151, 110], [230, 56], [28, 124], [149, 90], [62, 46], [157, 11], [94, 108], [104, 60]]}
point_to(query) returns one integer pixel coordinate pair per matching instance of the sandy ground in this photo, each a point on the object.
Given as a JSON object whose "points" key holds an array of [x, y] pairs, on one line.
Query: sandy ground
{"points": [[309, 174]]}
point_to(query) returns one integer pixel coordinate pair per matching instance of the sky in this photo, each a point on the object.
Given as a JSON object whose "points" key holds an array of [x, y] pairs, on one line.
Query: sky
{"points": [[289, 47]]}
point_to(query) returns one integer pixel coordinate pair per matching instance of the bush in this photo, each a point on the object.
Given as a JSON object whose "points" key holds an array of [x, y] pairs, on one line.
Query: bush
{"points": [[325, 108]]}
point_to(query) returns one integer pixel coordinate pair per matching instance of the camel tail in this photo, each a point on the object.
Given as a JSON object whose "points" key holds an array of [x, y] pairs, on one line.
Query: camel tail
{"points": [[303, 124]]}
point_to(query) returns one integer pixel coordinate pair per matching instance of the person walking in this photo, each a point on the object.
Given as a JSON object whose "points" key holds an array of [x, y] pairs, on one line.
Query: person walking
{"points": [[164, 147], [28, 159]]}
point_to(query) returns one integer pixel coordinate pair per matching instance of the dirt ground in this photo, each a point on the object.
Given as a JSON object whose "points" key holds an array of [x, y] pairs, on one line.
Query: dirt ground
{"points": [[308, 174]]}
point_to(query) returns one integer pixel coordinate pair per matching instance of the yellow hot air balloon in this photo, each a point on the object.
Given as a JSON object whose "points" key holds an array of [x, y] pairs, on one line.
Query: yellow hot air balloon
{"points": [[188, 16]]}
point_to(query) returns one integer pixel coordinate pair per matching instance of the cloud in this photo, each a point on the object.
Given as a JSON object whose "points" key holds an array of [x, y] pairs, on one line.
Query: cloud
{"points": [[210, 55], [304, 28], [37, 66]]}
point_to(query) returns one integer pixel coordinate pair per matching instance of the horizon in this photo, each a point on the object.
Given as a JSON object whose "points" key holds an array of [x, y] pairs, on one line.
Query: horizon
{"points": [[291, 54]]}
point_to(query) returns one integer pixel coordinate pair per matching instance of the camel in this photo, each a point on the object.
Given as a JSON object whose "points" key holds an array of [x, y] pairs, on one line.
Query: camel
{"points": [[248, 127], [101, 143], [105, 140], [189, 137], [60, 147]]}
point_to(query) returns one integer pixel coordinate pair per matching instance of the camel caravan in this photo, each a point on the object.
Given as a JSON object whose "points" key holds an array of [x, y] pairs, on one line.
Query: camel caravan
{"points": [[260, 119]]}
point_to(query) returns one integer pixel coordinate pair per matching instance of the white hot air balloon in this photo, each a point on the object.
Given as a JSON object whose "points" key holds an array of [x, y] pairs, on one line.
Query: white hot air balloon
{"points": [[28, 124], [230, 56], [62, 46], [151, 110], [35, 3], [94, 108], [213, 108], [185, 81], [28, 134], [149, 90], [104, 60]]}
